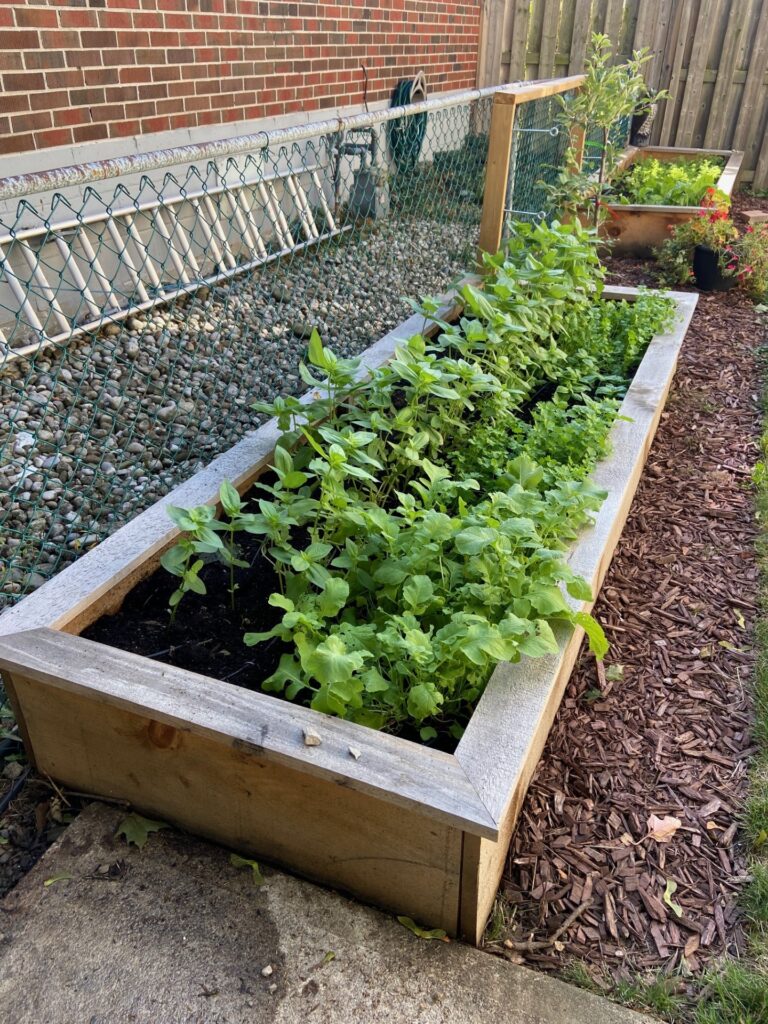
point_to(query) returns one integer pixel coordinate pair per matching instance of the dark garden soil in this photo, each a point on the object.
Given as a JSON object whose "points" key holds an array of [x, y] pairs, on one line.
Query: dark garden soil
{"points": [[207, 635], [663, 726]]}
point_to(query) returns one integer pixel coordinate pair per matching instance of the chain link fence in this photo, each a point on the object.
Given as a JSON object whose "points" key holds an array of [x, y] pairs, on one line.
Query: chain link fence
{"points": [[141, 321]]}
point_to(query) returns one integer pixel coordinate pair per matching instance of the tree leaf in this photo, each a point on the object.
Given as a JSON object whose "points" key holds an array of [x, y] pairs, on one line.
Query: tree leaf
{"points": [[423, 933], [662, 829], [598, 642], [64, 876], [669, 892], [242, 862], [137, 829]]}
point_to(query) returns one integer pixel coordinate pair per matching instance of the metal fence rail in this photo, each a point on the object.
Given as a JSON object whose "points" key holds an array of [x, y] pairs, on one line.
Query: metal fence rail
{"points": [[141, 319]]}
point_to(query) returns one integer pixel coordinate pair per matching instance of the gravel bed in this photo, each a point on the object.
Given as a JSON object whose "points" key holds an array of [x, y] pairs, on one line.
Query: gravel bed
{"points": [[93, 433]]}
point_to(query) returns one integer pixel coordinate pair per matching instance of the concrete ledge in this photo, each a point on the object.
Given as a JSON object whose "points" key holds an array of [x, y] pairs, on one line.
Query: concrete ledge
{"points": [[175, 935]]}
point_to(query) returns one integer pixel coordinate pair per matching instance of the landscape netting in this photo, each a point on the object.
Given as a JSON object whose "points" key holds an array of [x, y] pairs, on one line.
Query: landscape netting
{"points": [[140, 322]]}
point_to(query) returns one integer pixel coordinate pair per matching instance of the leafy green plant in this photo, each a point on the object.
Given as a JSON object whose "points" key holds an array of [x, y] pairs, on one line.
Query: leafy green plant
{"points": [[407, 571], [680, 182]]}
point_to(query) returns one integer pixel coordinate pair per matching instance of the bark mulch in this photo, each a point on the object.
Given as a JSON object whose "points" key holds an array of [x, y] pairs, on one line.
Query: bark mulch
{"points": [[663, 726]]}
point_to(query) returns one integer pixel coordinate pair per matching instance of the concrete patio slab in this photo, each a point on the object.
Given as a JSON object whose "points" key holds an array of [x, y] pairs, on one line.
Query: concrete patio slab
{"points": [[102, 933]]}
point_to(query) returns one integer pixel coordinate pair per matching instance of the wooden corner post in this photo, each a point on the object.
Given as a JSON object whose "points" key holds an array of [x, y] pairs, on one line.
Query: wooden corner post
{"points": [[497, 172]]}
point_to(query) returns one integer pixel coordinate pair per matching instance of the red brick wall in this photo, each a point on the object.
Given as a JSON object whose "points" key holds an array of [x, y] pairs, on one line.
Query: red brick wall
{"points": [[82, 70]]}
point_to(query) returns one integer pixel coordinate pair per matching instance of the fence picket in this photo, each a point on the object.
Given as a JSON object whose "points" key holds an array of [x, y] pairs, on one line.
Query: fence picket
{"points": [[697, 65]]}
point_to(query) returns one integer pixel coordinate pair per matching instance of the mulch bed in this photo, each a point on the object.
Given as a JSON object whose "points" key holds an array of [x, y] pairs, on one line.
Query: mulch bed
{"points": [[663, 726]]}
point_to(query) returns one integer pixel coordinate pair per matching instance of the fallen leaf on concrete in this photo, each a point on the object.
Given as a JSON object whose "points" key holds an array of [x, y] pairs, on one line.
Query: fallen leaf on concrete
{"points": [[242, 862], [137, 829], [423, 933]]}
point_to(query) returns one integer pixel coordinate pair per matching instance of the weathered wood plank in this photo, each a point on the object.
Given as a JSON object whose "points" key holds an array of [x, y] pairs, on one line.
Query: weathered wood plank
{"points": [[518, 42], [491, 43], [230, 793], [580, 39], [549, 28], [760, 179], [671, 106], [691, 105], [614, 17], [393, 770], [754, 101], [717, 127]]}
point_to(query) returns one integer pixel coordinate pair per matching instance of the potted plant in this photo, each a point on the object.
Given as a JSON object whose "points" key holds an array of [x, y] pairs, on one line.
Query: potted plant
{"points": [[701, 250]]}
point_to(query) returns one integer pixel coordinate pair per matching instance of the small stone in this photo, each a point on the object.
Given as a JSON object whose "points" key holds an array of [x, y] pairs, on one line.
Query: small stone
{"points": [[311, 738], [13, 770], [167, 413], [355, 752], [302, 329], [266, 971], [273, 988], [112, 329], [23, 441]]}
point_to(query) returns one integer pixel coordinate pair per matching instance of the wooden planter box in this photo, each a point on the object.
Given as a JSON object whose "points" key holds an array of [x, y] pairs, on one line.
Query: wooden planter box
{"points": [[637, 230], [414, 830]]}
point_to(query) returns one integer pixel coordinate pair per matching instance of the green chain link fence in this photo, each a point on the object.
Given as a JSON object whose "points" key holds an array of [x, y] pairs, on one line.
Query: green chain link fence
{"points": [[141, 321]]}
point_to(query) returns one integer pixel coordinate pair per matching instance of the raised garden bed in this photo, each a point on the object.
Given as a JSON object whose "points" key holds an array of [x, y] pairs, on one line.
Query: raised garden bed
{"points": [[414, 829], [636, 229]]}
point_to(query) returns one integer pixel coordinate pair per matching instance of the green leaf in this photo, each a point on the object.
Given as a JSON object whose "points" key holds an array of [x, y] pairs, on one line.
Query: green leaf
{"points": [[294, 479], [64, 876], [423, 933], [598, 642], [315, 350], [242, 862], [333, 597], [418, 593], [547, 599], [542, 643], [230, 500], [428, 733], [390, 573], [474, 539], [669, 891], [137, 829], [423, 700], [331, 663], [579, 588]]}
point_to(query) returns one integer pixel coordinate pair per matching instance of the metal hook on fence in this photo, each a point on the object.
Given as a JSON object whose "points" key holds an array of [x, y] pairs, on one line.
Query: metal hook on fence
{"points": [[554, 131], [536, 214]]}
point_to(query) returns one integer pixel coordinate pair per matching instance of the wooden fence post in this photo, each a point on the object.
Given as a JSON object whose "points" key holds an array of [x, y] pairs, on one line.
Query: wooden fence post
{"points": [[497, 172]]}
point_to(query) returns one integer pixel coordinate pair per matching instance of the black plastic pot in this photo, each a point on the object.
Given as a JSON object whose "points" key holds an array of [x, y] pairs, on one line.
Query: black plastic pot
{"points": [[706, 270]]}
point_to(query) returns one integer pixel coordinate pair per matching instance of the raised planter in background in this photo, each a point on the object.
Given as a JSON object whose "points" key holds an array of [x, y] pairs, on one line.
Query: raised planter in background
{"points": [[636, 230], [414, 830]]}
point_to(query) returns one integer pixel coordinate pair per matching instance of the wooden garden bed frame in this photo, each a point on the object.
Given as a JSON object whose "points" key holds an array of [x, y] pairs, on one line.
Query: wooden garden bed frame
{"points": [[635, 229], [411, 829]]}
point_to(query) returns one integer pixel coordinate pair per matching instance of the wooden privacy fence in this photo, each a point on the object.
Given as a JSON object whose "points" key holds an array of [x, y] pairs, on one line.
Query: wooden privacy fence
{"points": [[711, 55]]}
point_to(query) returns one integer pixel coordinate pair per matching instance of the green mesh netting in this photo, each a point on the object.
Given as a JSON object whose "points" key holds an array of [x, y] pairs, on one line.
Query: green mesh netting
{"points": [[539, 145]]}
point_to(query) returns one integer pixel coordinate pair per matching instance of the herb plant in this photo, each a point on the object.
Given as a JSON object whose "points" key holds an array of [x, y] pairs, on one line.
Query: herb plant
{"points": [[419, 512]]}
